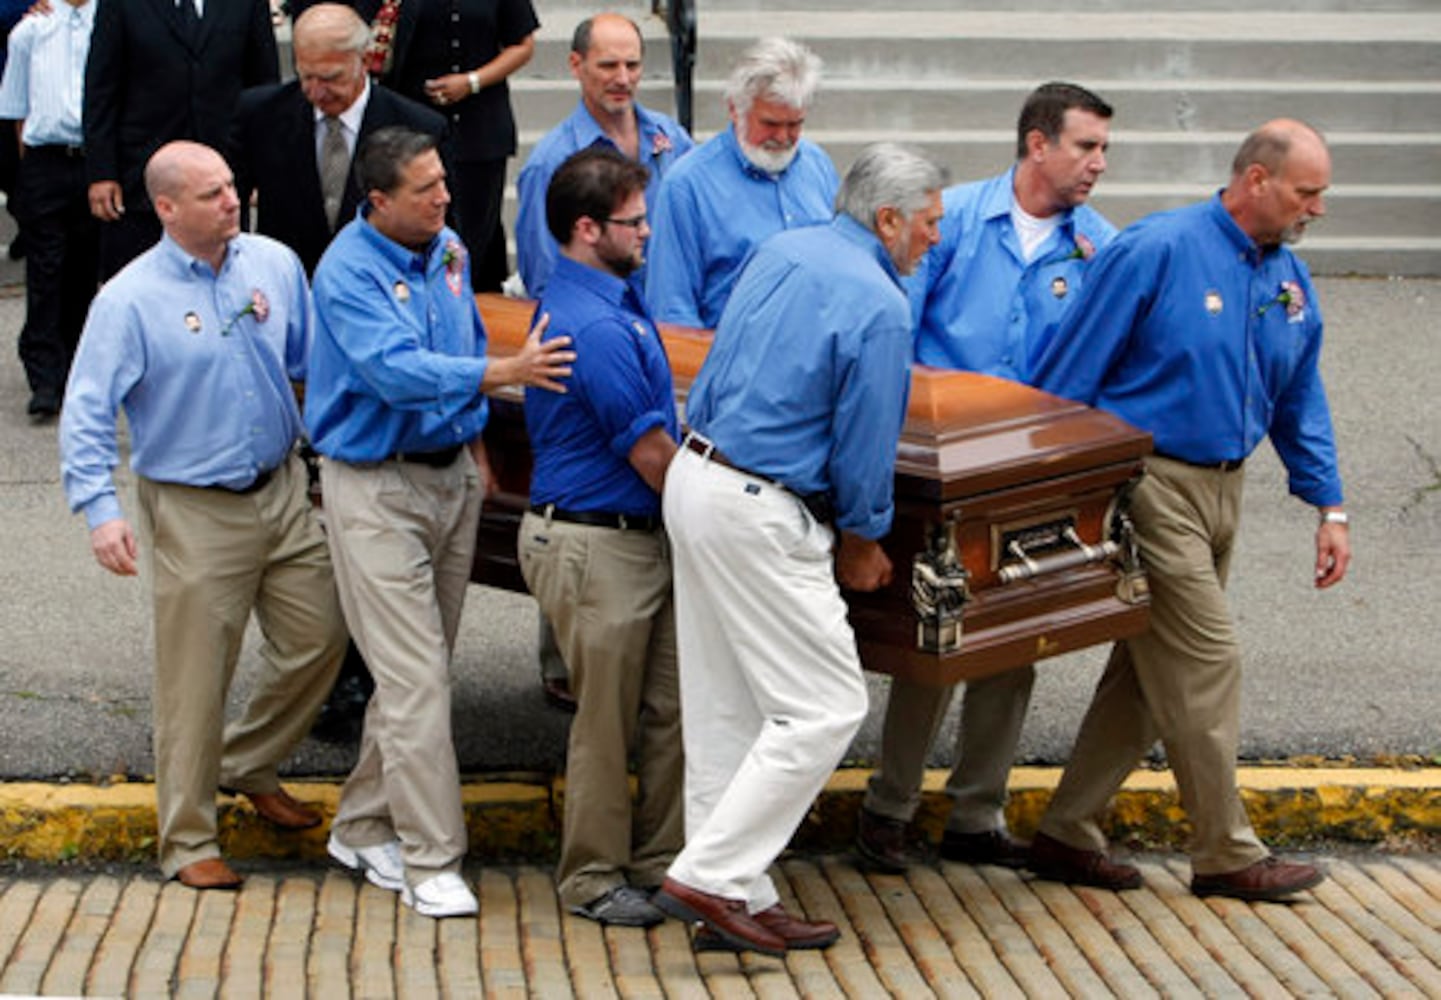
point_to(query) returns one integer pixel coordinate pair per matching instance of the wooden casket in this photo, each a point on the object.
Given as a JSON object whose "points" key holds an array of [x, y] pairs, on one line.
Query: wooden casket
{"points": [[1011, 541]]}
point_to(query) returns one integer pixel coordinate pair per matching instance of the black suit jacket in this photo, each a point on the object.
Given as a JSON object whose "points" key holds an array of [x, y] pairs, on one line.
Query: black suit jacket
{"points": [[147, 84], [273, 154]]}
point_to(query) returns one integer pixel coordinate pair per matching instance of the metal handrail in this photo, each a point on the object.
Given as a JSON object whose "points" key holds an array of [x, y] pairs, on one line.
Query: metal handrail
{"points": [[680, 21]]}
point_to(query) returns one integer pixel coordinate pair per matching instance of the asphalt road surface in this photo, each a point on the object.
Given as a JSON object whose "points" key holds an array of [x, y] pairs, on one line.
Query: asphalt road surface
{"points": [[1352, 672]]}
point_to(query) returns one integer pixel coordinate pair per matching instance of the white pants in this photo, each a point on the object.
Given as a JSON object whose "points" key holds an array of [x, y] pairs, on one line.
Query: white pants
{"points": [[771, 685]]}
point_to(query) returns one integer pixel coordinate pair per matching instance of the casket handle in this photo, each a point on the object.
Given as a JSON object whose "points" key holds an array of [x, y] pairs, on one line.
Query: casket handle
{"points": [[1027, 568]]}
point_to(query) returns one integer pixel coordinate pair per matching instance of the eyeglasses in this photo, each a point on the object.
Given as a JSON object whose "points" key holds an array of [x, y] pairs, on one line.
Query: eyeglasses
{"points": [[634, 222]]}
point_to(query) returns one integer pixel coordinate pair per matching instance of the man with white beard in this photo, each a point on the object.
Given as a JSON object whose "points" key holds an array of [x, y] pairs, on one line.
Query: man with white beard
{"points": [[741, 187]]}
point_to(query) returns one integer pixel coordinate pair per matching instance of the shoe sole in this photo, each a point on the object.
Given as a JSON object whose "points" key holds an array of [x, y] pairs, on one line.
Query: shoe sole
{"points": [[1258, 895], [438, 912], [348, 858], [667, 903], [1067, 877]]}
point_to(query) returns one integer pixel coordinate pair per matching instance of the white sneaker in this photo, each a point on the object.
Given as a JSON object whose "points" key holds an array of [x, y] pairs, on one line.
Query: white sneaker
{"points": [[381, 863], [445, 895]]}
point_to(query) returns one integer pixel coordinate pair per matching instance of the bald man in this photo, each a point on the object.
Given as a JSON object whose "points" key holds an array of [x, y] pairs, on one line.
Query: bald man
{"points": [[199, 339], [1200, 326]]}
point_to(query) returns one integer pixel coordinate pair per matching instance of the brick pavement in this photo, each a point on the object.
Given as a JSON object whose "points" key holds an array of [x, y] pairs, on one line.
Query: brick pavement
{"points": [[1372, 929]]}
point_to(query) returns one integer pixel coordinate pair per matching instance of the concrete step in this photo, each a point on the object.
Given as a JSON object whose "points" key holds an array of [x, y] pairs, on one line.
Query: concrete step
{"points": [[1164, 105]]}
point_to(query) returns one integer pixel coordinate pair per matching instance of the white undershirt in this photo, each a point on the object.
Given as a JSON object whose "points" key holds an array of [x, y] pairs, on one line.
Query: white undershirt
{"points": [[1031, 231]]}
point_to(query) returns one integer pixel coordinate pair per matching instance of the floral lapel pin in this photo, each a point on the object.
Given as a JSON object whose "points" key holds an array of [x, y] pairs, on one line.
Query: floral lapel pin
{"points": [[258, 306], [1292, 297], [454, 261]]}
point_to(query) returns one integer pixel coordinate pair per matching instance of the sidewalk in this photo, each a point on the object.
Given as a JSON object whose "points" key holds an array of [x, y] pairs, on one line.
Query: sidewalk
{"points": [[1372, 929]]}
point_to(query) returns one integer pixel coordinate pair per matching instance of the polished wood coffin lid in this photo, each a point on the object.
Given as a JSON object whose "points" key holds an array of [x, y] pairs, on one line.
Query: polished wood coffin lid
{"points": [[964, 433]]}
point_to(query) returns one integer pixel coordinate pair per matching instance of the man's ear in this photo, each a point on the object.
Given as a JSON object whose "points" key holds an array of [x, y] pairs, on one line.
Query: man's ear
{"points": [[575, 60], [890, 220], [587, 230], [1036, 144]]}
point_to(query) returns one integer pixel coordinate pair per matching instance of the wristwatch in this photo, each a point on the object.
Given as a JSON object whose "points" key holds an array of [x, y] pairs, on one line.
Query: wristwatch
{"points": [[1335, 517]]}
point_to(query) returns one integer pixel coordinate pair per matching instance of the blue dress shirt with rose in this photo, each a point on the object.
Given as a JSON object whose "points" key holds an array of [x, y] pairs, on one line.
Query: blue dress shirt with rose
{"points": [[399, 349], [713, 210], [662, 142], [807, 380], [1188, 330], [979, 305], [202, 364], [619, 390]]}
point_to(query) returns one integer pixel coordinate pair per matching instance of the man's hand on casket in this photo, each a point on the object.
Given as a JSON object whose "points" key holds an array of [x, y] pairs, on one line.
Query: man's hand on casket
{"points": [[861, 564]]}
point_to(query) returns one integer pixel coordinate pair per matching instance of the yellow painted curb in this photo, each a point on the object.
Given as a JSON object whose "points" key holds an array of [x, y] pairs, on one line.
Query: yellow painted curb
{"points": [[513, 820]]}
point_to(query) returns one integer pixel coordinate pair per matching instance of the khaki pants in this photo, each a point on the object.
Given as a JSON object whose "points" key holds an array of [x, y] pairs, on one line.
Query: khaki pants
{"points": [[1179, 682], [993, 710], [607, 594], [401, 537], [213, 557]]}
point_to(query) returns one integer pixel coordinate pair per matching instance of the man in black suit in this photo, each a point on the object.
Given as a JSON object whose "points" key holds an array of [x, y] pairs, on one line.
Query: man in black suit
{"points": [[279, 148], [307, 192], [161, 70]]}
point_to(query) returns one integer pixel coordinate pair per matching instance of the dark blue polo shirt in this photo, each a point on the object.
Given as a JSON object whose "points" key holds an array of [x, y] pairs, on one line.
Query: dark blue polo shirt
{"points": [[620, 389]]}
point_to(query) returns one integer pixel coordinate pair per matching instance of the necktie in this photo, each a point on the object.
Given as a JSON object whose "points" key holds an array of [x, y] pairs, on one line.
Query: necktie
{"points": [[189, 20], [334, 168]]}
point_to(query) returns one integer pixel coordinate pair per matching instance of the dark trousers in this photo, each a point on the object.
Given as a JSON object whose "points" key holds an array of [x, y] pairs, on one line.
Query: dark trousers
{"points": [[479, 188], [60, 263], [128, 237]]}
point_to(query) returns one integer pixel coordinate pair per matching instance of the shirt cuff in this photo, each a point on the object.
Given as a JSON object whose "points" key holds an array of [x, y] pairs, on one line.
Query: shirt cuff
{"points": [[461, 383], [103, 508], [622, 443]]}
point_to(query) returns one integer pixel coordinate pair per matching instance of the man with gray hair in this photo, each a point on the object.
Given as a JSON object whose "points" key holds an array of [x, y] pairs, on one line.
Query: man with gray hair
{"points": [[741, 187], [793, 441]]}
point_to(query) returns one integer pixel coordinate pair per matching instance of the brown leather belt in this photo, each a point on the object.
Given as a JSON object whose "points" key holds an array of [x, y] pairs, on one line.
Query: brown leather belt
{"points": [[1229, 465]]}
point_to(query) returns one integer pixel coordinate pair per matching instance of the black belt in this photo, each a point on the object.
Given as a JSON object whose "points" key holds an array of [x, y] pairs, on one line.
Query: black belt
{"points": [[435, 459], [599, 518], [819, 504], [58, 149], [256, 485], [1229, 465]]}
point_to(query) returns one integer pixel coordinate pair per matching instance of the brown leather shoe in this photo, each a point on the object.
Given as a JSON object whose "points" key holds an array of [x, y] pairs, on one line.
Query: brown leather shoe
{"points": [[798, 934], [888, 845], [1057, 862], [726, 917], [989, 847], [209, 873], [283, 810], [1269, 878]]}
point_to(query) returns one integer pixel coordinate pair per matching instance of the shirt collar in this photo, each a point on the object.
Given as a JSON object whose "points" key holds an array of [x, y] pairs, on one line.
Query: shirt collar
{"points": [[402, 257], [352, 116], [185, 262], [588, 131], [1228, 227], [610, 289], [868, 241], [1002, 196]]}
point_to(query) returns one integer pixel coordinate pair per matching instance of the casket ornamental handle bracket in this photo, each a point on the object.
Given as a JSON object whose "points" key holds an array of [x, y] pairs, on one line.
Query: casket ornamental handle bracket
{"points": [[940, 588], [1132, 587]]}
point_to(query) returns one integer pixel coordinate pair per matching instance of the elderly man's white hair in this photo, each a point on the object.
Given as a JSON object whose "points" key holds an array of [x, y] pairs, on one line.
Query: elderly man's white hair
{"points": [[888, 174], [774, 69]]}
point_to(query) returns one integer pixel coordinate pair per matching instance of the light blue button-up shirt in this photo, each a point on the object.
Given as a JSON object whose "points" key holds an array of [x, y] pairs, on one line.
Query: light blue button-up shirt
{"points": [[201, 362], [713, 210], [662, 143], [978, 305], [807, 380], [1187, 330], [45, 74], [399, 350]]}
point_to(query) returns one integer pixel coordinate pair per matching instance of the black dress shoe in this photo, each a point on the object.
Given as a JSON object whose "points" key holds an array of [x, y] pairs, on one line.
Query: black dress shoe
{"points": [[989, 847], [728, 918], [888, 845]]}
